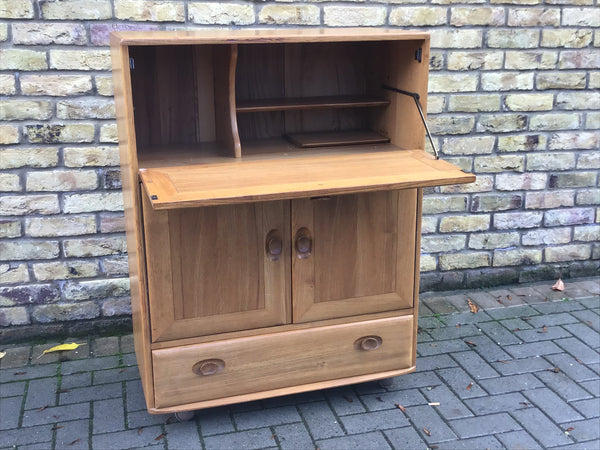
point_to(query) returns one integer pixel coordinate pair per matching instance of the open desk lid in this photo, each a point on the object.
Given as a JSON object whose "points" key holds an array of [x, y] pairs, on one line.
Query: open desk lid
{"points": [[254, 180]]}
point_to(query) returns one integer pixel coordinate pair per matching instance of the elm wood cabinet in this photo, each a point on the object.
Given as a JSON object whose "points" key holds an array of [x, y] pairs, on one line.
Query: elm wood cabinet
{"points": [[272, 189]]}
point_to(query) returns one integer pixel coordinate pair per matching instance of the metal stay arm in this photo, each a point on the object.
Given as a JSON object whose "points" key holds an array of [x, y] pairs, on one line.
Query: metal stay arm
{"points": [[416, 98]]}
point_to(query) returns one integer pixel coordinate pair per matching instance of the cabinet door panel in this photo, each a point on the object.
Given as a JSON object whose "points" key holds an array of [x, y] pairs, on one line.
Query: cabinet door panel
{"points": [[362, 254], [209, 270]]}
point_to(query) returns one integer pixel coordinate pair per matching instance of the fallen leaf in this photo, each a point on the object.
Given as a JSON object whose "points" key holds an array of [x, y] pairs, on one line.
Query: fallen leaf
{"points": [[19, 373], [473, 344], [570, 429], [61, 348], [526, 319], [433, 447], [273, 436], [123, 370], [159, 437], [170, 420], [517, 329], [503, 362], [508, 297], [500, 301], [42, 408], [400, 407], [555, 370], [544, 330], [140, 429], [74, 442], [558, 286], [2, 355], [434, 403], [379, 399], [470, 386], [348, 399], [458, 325], [579, 361], [63, 391], [427, 432], [56, 427], [472, 306], [525, 404]]}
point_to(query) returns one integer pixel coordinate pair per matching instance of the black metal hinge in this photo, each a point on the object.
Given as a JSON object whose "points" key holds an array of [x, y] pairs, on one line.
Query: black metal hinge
{"points": [[131, 63], [419, 54]]}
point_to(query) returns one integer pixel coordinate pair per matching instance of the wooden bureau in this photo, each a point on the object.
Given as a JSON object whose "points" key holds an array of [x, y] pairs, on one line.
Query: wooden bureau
{"points": [[272, 184]]}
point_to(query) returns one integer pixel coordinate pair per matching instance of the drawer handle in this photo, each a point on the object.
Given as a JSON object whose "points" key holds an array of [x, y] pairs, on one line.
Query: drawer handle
{"points": [[274, 245], [208, 367], [367, 343]]}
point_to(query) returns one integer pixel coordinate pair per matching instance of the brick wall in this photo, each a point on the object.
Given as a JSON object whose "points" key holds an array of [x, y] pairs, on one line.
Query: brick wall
{"points": [[513, 97]]}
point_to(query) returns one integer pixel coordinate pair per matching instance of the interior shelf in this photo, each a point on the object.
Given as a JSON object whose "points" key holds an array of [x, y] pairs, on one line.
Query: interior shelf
{"points": [[300, 103], [350, 169], [335, 138]]}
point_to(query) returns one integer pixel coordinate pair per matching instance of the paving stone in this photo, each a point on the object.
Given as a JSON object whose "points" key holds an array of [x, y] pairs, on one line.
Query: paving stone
{"points": [[488, 424], [214, 421], [460, 382], [109, 416], [499, 334], [344, 401], [507, 297], [372, 387], [454, 332], [76, 380], [41, 392], [422, 417], [540, 427], [543, 334], [135, 396], [266, 417], [105, 346], [128, 439], [368, 441], [243, 440], [140, 419], [294, 399], [475, 365], [533, 349], [16, 356], [89, 364], [589, 408], [516, 324], [388, 400], [518, 439], [585, 333], [512, 312], [56, 414], [183, 435], [24, 436], [552, 320], [86, 394], [579, 350], [12, 389], [450, 406], [442, 347], [10, 411], [593, 386], [563, 386], [406, 438], [487, 442], [376, 420], [127, 345], [552, 405], [488, 350], [527, 294], [511, 383], [293, 436], [497, 403], [415, 380], [466, 318], [73, 435], [484, 300], [427, 363], [116, 375], [430, 323], [28, 373], [589, 317], [320, 420], [129, 360], [585, 430], [571, 367], [558, 306]]}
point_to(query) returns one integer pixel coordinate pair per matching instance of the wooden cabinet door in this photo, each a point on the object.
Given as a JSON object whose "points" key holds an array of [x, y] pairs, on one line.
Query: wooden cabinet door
{"points": [[217, 269], [353, 254]]}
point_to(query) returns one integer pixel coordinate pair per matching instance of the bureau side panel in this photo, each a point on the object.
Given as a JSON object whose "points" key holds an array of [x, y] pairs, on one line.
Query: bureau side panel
{"points": [[133, 223]]}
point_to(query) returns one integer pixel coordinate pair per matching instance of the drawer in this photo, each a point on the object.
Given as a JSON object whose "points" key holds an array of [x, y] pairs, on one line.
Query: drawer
{"points": [[221, 369]]}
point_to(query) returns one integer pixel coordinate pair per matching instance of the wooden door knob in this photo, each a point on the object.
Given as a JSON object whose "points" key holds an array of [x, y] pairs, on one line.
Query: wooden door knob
{"points": [[303, 243], [274, 245], [368, 343], [208, 367]]}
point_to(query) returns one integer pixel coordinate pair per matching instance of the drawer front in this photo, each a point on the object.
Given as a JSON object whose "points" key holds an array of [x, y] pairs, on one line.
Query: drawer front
{"points": [[247, 365]]}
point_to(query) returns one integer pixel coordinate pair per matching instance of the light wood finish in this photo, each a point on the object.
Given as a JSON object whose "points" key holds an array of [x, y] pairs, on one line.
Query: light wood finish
{"points": [[249, 290], [334, 138], [263, 36], [363, 255], [281, 360], [226, 123], [132, 207], [250, 181], [287, 104]]}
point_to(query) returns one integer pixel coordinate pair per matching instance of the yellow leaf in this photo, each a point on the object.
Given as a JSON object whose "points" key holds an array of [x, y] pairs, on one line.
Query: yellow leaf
{"points": [[472, 306], [2, 355], [62, 348]]}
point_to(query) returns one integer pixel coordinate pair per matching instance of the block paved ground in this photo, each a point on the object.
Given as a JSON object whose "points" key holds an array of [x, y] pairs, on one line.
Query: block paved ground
{"points": [[523, 372]]}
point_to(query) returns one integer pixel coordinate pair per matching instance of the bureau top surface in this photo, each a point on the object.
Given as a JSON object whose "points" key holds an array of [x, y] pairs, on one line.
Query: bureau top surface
{"points": [[250, 36]]}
